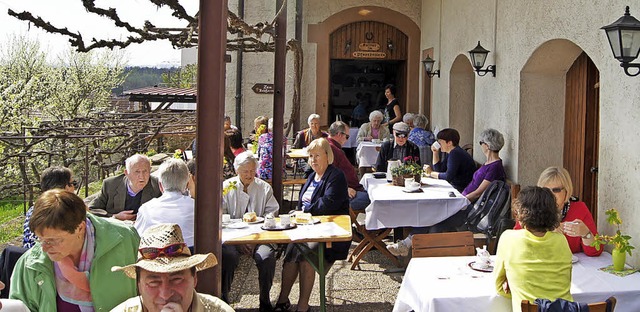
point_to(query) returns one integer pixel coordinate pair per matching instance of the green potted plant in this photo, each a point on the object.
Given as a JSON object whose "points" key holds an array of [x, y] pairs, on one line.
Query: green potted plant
{"points": [[409, 169], [620, 242]]}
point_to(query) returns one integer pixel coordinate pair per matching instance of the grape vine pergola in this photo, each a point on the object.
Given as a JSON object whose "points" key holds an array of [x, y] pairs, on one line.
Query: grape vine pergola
{"points": [[205, 30]]}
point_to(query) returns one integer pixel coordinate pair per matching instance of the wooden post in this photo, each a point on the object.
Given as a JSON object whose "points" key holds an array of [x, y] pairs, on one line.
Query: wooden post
{"points": [[212, 42], [278, 97]]}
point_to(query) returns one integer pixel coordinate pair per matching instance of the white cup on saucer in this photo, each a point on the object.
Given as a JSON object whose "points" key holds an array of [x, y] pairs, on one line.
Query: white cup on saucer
{"points": [[410, 185], [226, 218], [285, 220]]}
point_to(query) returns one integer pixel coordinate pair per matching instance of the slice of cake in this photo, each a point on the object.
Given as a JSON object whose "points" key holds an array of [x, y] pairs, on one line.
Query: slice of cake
{"points": [[249, 217], [304, 218]]}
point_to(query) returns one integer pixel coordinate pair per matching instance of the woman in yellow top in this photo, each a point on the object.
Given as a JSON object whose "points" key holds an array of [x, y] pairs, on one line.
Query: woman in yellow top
{"points": [[534, 263]]}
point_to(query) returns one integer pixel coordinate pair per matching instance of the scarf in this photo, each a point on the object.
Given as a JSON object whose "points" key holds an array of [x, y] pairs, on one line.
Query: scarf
{"points": [[72, 283]]}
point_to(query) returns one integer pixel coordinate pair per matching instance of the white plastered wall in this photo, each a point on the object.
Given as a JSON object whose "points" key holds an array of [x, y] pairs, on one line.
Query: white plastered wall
{"points": [[521, 27]]}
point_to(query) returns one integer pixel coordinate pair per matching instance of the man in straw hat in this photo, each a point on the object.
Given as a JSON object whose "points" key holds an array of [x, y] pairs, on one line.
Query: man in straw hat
{"points": [[166, 274]]}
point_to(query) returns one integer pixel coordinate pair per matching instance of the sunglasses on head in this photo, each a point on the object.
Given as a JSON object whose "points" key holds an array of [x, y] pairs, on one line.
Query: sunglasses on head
{"points": [[172, 250], [557, 189], [401, 135]]}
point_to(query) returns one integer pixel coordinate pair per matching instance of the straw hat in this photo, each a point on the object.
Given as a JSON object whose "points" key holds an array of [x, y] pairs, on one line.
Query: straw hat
{"points": [[160, 236]]}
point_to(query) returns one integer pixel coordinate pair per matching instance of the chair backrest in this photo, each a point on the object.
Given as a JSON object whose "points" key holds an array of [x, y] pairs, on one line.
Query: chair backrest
{"points": [[605, 306], [443, 244]]}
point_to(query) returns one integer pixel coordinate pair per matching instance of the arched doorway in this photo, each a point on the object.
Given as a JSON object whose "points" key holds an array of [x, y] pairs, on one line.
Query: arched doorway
{"points": [[365, 57], [559, 113], [462, 84], [320, 34]]}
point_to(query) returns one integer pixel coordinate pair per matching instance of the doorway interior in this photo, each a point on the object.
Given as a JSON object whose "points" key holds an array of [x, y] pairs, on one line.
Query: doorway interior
{"points": [[361, 82]]}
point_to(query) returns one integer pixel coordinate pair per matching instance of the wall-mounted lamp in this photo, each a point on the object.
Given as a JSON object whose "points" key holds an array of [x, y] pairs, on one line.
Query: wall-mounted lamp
{"points": [[390, 44], [478, 57], [624, 39], [428, 67]]}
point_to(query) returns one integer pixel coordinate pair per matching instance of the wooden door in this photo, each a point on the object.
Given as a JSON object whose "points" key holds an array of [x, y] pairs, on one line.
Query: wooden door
{"points": [[581, 130]]}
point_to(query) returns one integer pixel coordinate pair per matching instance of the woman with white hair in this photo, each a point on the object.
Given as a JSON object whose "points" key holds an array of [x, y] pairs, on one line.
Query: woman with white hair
{"points": [[304, 137], [249, 195], [408, 119], [419, 135], [372, 129]]}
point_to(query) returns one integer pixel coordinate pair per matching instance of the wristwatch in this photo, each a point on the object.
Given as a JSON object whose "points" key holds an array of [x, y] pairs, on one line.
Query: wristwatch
{"points": [[588, 235]]}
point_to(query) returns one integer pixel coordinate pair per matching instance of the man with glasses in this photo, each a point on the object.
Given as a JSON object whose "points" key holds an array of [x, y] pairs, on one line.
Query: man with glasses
{"points": [[166, 274], [338, 135], [397, 149], [121, 196]]}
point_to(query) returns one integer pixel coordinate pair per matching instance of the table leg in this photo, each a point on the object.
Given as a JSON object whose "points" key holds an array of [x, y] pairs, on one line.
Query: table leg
{"points": [[323, 298], [319, 269]]}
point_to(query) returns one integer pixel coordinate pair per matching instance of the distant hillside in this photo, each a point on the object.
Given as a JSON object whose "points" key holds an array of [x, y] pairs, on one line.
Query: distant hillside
{"points": [[140, 77]]}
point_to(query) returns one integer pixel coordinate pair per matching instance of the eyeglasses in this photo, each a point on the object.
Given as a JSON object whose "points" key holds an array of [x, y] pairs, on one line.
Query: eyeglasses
{"points": [[401, 135], [346, 135], [557, 189], [482, 142], [50, 241], [73, 183], [172, 250]]}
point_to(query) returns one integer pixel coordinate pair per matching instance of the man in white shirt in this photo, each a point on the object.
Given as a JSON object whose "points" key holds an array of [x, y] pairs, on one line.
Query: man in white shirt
{"points": [[250, 194], [173, 206]]}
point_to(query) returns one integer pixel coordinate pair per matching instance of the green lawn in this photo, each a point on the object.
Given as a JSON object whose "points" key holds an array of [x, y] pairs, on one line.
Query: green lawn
{"points": [[11, 220]]}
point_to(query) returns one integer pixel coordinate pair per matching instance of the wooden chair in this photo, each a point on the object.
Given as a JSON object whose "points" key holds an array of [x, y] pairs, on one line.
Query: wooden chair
{"points": [[369, 240], [604, 306], [443, 244]]}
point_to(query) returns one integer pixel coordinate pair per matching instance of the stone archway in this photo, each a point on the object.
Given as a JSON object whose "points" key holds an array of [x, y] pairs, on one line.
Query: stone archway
{"points": [[320, 34], [462, 83], [542, 108]]}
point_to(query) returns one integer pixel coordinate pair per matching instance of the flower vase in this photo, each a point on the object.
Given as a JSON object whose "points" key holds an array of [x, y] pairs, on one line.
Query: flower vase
{"points": [[397, 180], [619, 258]]}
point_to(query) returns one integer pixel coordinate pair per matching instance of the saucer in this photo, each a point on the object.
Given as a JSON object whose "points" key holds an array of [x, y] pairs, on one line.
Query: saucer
{"points": [[477, 267], [574, 259], [418, 190], [237, 225]]}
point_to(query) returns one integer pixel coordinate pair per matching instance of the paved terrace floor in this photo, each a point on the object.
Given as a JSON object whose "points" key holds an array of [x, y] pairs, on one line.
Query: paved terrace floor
{"points": [[367, 289]]}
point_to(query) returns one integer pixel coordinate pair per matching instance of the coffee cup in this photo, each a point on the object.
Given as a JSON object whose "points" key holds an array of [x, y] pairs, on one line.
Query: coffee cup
{"points": [[285, 220], [411, 185], [376, 141], [226, 218], [436, 145]]}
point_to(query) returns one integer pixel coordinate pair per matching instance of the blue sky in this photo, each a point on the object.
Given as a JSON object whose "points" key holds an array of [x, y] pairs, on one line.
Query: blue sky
{"points": [[71, 14]]}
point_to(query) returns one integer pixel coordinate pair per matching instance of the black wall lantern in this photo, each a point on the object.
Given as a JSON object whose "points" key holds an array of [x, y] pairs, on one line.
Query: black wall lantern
{"points": [[428, 67], [624, 39], [478, 57]]}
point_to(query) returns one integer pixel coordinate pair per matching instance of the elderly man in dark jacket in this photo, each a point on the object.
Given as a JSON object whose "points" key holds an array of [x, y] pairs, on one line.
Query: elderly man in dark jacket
{"points": [[397, 149]]}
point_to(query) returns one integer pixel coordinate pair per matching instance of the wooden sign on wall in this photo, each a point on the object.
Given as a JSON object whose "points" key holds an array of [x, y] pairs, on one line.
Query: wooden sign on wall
{"points": [[263, 88]]}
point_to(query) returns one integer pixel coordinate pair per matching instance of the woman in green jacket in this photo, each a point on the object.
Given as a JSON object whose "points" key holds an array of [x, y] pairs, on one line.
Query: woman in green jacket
{"points": [[69, 268]]}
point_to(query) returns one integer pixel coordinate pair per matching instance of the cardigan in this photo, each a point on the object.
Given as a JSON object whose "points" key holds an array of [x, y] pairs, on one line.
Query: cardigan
{"points": [[33, 280]]}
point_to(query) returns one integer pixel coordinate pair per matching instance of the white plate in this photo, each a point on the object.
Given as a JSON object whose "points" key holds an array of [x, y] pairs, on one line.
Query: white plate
{"points": [[574, 259], [237, 225], [315, 220], [258, 220]]}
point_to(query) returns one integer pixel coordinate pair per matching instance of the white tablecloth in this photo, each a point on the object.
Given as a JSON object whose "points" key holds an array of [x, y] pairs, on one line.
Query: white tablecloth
{"points": [[444, 284], [367, 154], [391, 207], [353, 137]]}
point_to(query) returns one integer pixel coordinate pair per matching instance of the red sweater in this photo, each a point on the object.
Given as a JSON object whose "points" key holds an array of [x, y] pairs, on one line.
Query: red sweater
{"points": [[341, 162], [578, 210]]}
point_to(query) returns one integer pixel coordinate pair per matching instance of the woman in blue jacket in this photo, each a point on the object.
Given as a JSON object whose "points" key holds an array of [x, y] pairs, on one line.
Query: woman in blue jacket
{"points": [[324, 193]]}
